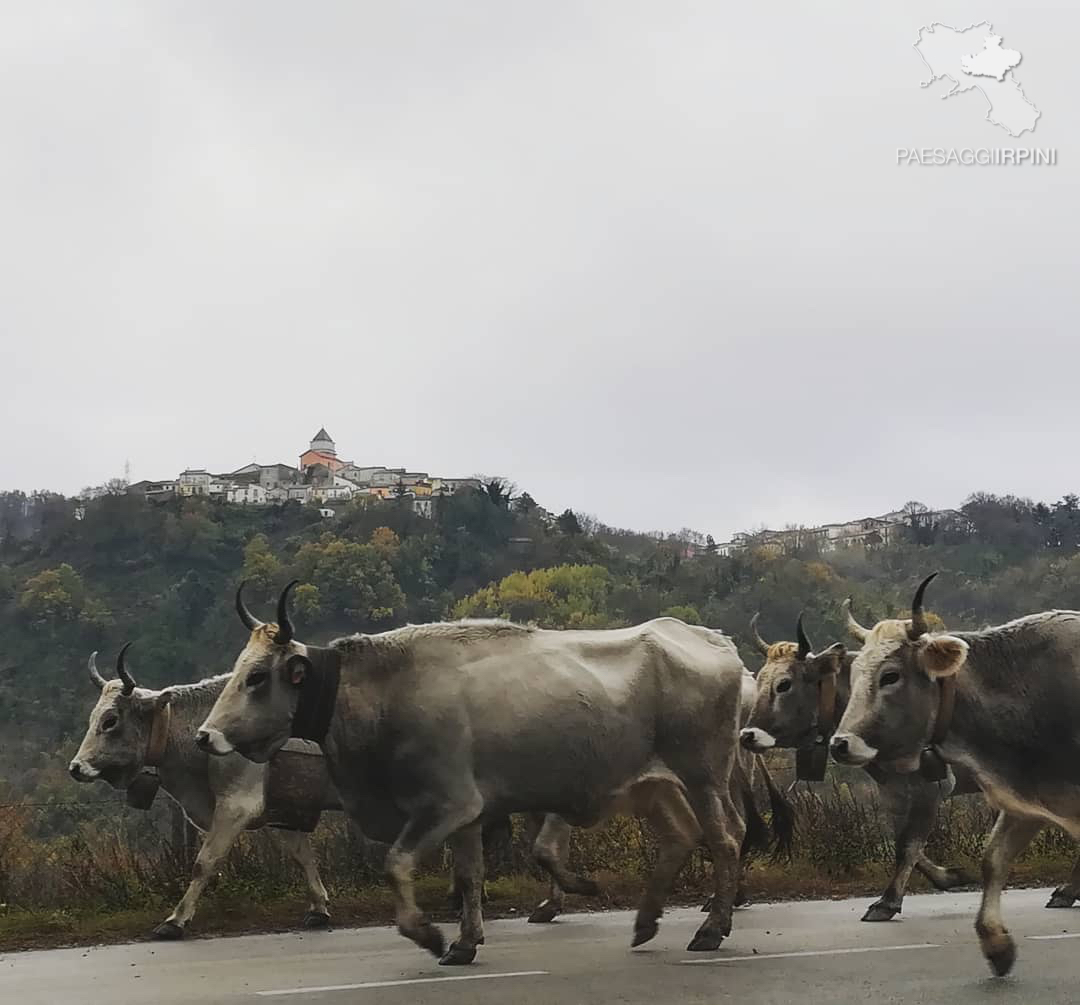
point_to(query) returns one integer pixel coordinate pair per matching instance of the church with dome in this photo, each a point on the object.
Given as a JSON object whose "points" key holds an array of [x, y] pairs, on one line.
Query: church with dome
{"points": [[321, 450]]}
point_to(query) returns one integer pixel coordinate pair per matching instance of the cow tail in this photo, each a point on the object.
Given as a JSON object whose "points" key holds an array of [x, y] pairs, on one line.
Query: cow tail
{"points": [[783, 817]]}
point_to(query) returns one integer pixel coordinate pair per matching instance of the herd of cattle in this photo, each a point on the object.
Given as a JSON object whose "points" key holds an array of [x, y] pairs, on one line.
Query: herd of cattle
{"points": [[434, 733]]}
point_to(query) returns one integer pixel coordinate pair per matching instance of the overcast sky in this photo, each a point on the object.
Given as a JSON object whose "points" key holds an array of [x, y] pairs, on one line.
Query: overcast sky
{"points": [[652, 261]]}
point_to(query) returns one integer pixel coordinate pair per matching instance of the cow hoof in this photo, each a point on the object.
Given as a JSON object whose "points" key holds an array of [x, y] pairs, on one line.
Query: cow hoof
{"points": [[1002, 958], [458, 955], [706, 908], [316, 919], [168, 931], [880, 912], [545, 911], [644, 932], [705, 941], [961, 877], [428, 937], [1060, 899]]}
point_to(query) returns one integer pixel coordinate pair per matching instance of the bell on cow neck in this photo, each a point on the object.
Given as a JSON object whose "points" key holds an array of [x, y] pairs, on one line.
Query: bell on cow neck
{"points": [[141, 792], [932, 766], [811, 762]]}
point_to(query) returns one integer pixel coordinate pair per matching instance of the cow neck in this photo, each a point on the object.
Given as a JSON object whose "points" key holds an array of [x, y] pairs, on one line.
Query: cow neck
{"points": [[318, 695], [159, 736]]}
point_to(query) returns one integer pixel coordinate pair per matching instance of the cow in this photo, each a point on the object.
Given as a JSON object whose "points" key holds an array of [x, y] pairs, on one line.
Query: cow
{"points": [[429, 730], [133, 728], [797, 706], [1002, 703], [658, 797]]}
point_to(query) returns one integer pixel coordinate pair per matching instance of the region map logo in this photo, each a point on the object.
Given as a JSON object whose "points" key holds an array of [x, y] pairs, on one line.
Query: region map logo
{"points": [[976, 62]]}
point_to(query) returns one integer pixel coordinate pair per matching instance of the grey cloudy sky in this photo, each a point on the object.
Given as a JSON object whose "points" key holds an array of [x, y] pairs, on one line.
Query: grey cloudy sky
{"points": [[654, 261]]}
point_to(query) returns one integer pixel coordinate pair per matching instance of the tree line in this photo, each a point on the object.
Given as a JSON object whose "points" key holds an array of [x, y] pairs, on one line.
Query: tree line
{"points": [[119, 568]]}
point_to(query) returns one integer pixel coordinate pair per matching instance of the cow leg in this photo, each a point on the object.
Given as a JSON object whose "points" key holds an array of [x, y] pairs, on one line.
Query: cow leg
{"points": [[1066, 896], [550, 850], [467, 848], [945, 877], [722, 827], [1010, 836], [678, 834], [551, 906], [913, 805], [424, 831], [225, 828], [299, 847]]}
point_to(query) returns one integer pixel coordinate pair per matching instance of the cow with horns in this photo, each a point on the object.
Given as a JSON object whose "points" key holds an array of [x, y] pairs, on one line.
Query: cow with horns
{"points": [[1002, 703], [430, 730], [800, 696], [134, 731]]}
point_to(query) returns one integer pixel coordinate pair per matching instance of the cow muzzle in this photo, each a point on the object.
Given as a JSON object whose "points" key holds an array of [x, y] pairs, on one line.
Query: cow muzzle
{"points": [[212, 741], [756, 739], [847, 748], [81, 772]]}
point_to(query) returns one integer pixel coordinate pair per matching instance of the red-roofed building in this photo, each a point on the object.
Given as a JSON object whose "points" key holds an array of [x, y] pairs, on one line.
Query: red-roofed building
{"points": [[321, 451]]}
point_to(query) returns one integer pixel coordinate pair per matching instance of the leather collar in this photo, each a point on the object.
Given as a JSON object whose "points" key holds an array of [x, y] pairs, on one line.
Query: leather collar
{"points": [[318, 695], [811, 763], [159, 737], [932, 765]]}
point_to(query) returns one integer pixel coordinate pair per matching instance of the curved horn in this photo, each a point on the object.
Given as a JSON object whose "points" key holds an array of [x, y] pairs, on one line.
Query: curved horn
{"points": [[853, 626], [95, 676], [919, 627], [804, 642], [249, 620], [762, 645], [285, 630], [121, 672]]}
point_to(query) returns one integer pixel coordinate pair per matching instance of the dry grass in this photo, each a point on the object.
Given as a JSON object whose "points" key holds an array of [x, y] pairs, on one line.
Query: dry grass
{"points": [[107, 873]]}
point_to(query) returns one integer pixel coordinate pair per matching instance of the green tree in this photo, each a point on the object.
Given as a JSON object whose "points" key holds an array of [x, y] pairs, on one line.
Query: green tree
{"points": [[684, 612], [261, 567], [53, 596]]}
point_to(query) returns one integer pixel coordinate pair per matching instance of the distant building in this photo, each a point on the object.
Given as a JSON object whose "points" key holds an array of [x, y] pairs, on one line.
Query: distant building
{"points": [[321, 450], [247, 495], [155, 491], [267, 475], [194, 482]]}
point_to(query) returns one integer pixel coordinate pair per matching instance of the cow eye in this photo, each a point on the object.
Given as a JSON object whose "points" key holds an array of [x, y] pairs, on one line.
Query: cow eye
{"points": [[257, 677], [889, 677], [109, 723], [784, 685]]}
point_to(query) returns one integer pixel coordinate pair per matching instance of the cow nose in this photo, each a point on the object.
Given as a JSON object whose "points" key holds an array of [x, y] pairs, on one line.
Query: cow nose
{"points": [[747, 738], [75, 770], [839, 746], [202, 739]]}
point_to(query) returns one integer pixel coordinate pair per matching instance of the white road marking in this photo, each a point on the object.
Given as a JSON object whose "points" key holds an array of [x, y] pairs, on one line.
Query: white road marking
{"points": [[397, 984], [815, 952], [1054, 938]]}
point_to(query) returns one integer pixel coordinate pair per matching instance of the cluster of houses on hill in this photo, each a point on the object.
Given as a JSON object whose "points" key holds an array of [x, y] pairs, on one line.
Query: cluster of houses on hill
{"points": [[319, 477], [866, 532]]}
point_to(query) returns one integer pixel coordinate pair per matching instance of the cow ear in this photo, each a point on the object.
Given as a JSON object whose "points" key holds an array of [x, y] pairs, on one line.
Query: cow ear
{"points": [[827, 662], [296, 667], [941, 655], [161, 699]]}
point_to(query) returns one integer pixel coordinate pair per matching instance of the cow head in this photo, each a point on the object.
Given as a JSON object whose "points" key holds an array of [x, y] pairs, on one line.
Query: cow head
{"points": [[894, 690], [253, 714], [793, 693], [118, 736]]}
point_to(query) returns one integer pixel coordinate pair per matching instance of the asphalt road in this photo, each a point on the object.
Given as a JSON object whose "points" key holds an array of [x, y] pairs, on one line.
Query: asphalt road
{"points": [[805, 953]]}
